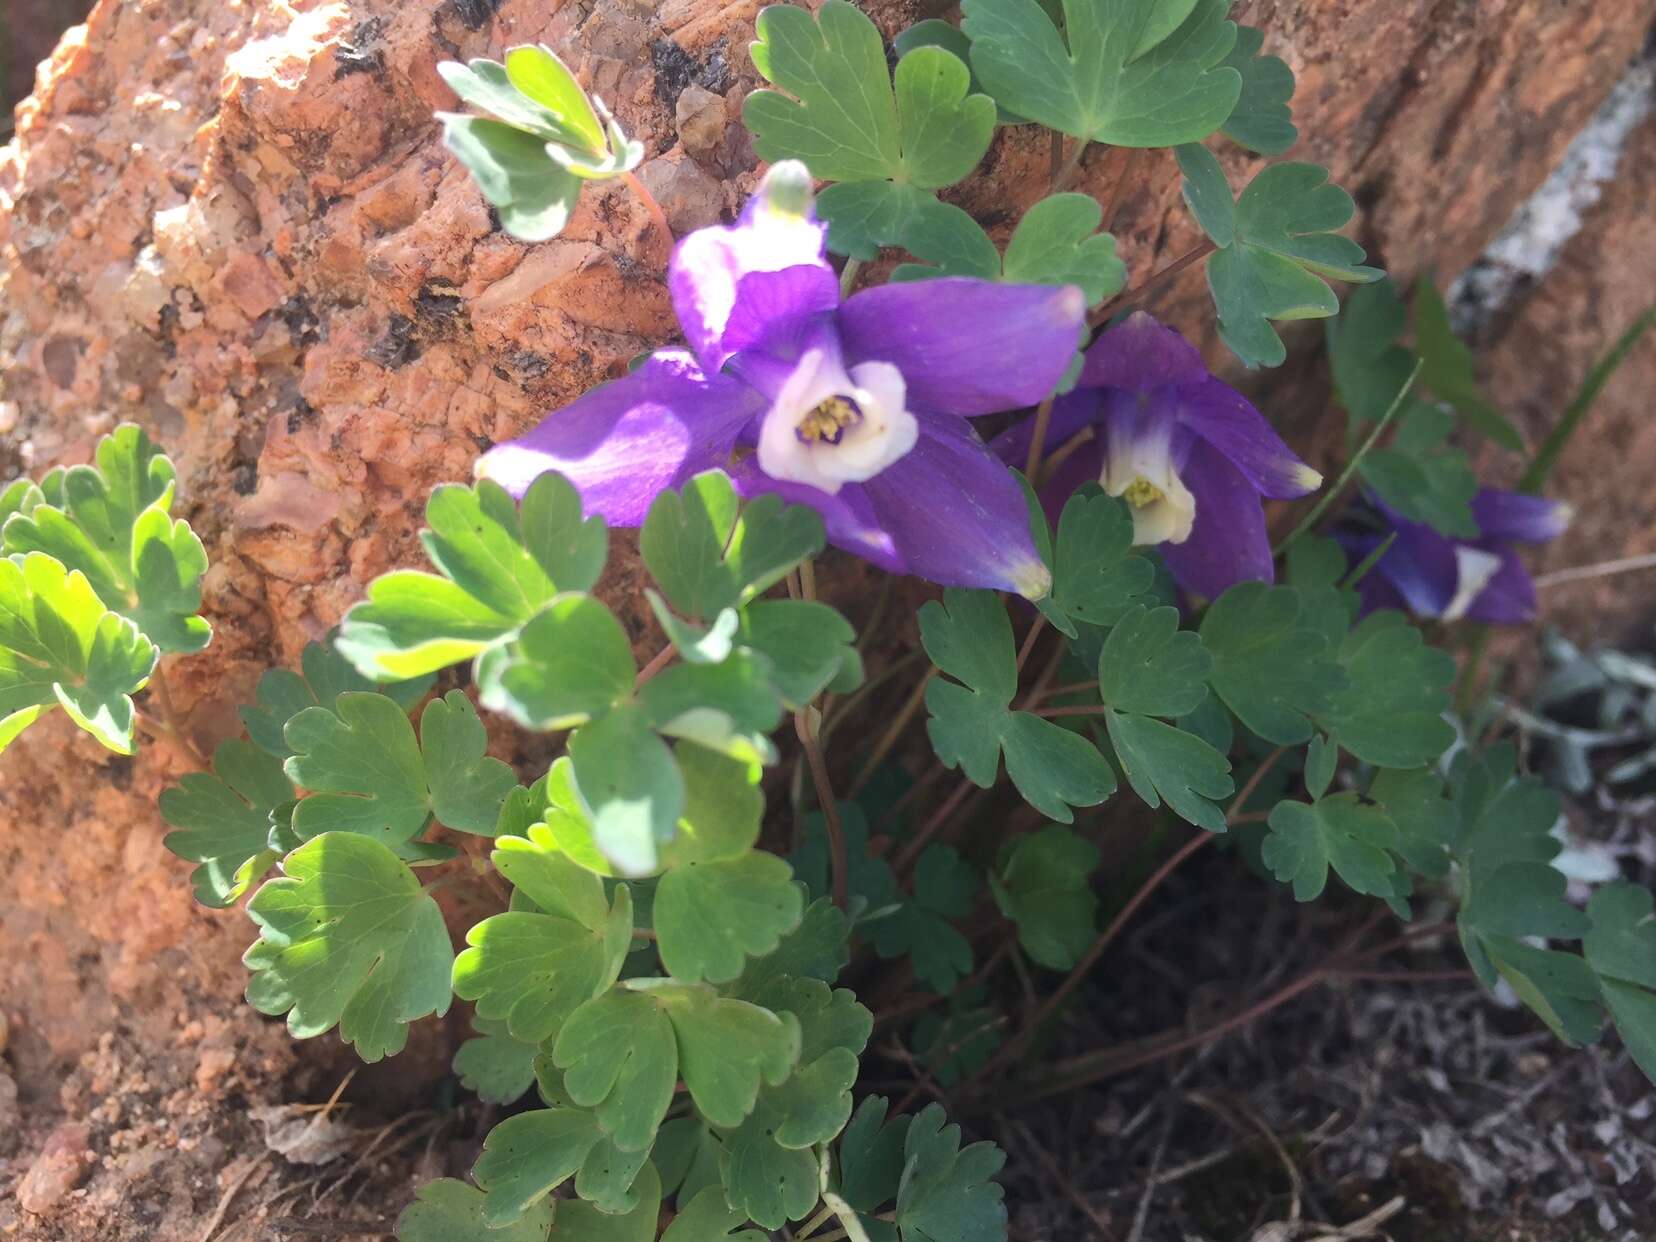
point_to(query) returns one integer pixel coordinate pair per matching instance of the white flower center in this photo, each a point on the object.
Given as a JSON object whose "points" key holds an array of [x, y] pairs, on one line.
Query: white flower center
{"points": [[829, 426], [1140, 470]]}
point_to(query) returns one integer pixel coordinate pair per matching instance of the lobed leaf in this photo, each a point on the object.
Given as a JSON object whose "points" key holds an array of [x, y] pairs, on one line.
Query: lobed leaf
{"points": [[223, 818]]}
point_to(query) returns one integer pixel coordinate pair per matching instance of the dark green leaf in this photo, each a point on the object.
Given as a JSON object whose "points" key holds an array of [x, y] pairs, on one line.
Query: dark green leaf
{"points": [[1045, 887], [1340, 832], [711, 916], [809, 645], [1151, 667], [1262, 120], [223, 819], [1270, 666], [325, 675], [1166, 763], [709, 1218], [449, 1210], [946, 1193], [1448, 371], [494, 1064], [1391, 712], [1095, 576]]}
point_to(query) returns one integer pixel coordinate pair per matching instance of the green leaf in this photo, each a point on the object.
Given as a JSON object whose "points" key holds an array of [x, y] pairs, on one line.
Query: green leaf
{"points": [[485, 85], [708, 1218], [532, 970], [500, 564], [537, 866], [1095, 576], [1271, 666], [1151, 667], [223, 819], [326, 674], [347, 936], [449, 1210], [765, 1181], [1413, 800], [935, 32], [710, 917], [723, 807], [1276, 251], [1132, 73], [1306, 839], [1056, 243], [863, 216], [1391, 712], [1422, 476], [1262, 121], [871, 1155], [60, 646], [969, 637], [534, 195], [869, 879], [1447, 369], [818, 948], [1207, 192], [528, 1156], [110, 521], [19, 496], [1622, 942], [687, 1154], [619, 1058], [945, 887], [630, 788], [1166, 763], [1559, 987], [570, 663], [730, 707], [583, 1221], [946, 1193], [537, 74], [726, 1047], [1634, 1013], [495, 1064], [1370, 367], [708, 552], [1044, 886], [853, 121], [810, 647], [367, 774]]}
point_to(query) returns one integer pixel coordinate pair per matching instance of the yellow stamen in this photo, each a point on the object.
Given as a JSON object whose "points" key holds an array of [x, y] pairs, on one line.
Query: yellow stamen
{"points": [[828, 421], [1142, 493]]}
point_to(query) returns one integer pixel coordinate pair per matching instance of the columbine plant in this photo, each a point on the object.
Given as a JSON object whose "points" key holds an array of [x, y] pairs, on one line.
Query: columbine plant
{"points": [[660, 980]]}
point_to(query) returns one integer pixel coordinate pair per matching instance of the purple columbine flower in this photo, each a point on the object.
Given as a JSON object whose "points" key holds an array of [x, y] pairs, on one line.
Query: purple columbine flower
{"points": [[1432, 575], [856, 408], [1189, 454]]}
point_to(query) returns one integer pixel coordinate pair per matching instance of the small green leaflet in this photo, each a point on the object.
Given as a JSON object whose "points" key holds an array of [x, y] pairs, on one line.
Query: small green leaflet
{"points": [[1391, 712], [818, 948], [500, 564], [935, 32], [889, 139], [945, 888], [1045, 887], [1422, 476], [348, 936], [325, 675], [111, 523], [1271, 666], [1425, 820], [730, 707], [620, 1058], [1147, 668], [687, 1155], [1095, 576], [708, 1218], [946, 1193], [1132, 73], [528, 1156], [223, 819], [368, 774], [1370, 367], [498, 1067], [60, 646], [869, 879], [708, 552], [1277, 249], [571, 662], [629, 788], [1056, 243], [548, 139], [810, 646], [531, 969], [1621, 950], [710, 917], [871, 1159], [1262, 120], [969, 637], [726, 1048], [1448, 369], [1342, 832], [449, 1210]]}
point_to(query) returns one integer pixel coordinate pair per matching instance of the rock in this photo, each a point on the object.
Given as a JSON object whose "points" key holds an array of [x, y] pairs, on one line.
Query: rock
{"points": [[59, 1168], [688, 195], [701, 119], [11, 1117]]}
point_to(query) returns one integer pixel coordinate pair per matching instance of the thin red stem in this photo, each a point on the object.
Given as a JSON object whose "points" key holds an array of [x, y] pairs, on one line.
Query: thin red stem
{"points": [[1136, 295], [839, 865]]}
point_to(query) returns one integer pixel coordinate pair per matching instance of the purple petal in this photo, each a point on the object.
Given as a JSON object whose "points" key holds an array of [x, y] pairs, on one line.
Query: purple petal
{"points": [[1223, 417], [1228, 543], [624, 443], [1518, 517], [966, 346], [1421, 567], [1139, 353], [948, 511], [1072, 413], [1508, 598], [732, 285]]}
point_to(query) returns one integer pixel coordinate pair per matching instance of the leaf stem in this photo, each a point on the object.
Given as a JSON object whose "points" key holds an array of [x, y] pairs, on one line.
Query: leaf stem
{"points": [[1079, 709], [1331, 494], [805, 726], [1138, 293], [1118, 191], [848, 276], [169, 718], [1030, 638], [1546, 457], [658, 217], [1071, 165], [928, 830], [816, 1222], [894, 732], [1037, 439], [657, 663]]}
